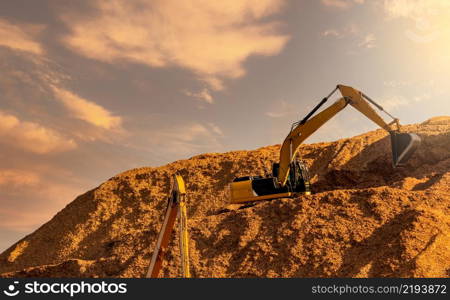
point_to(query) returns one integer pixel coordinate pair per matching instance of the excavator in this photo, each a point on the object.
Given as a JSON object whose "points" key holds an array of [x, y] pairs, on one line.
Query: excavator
{"points": [[176, 207], [290, 176]]}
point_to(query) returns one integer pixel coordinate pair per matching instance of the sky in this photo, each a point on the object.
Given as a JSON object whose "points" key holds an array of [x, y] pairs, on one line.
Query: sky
{"points": [[89, 89]]}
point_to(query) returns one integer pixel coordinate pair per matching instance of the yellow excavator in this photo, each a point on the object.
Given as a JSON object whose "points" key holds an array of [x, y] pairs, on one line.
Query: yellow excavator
{"points": [[176, 207], [290, 176]]}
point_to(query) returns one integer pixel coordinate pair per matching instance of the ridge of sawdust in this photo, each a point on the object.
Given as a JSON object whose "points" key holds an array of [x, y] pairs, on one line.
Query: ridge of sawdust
{"points": [[364, 219]]}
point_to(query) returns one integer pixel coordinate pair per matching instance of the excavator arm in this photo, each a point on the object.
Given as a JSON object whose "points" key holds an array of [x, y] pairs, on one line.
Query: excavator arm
{"points": [[296, 137], [403, 144], [176, 207]]}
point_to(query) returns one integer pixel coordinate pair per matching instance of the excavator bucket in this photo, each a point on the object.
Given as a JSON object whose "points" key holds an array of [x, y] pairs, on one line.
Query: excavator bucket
{"points": [[403, 146]]}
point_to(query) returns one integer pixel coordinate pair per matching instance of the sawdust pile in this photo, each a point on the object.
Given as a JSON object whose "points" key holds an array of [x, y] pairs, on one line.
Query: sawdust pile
{"points": [[363, 220]]}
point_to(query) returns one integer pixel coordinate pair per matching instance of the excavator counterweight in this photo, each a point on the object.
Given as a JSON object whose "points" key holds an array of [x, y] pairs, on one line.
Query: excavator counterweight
{"points": [[290, 176]]}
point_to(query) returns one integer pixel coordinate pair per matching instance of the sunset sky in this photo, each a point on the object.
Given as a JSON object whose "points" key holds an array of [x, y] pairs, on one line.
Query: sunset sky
{"points": [[89, 89]]}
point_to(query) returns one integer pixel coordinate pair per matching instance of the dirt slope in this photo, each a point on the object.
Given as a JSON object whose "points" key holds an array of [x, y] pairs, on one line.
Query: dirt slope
{"points": [[363, 220]]}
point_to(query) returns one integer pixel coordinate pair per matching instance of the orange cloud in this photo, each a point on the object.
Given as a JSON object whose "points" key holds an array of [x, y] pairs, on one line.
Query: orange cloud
{"points": [[417, 9], [31, 136], [41, 187], [189, 139], [12, 177], [428, 27], [368, 41], [24, 216], [343, 4], [211, 38], [281, 109], [22, 220], [86, 110], [19, 38], [203, 95], [349, 30]]}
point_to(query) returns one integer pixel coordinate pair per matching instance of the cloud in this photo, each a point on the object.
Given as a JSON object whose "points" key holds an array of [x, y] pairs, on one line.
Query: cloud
{"points": [[393, 102], [368, 41], [216, 129], [282, 109], [431, 17], [32, 137], [33, 84], [331, 32], [17, 178], [276, 114], [204, 95], [189, 139], [86, 110], [416, 9], [21, 220], [48, 197], [341, 4], [33, 192], [349, 30], [210, 38], [20, 37], [397, 83]]}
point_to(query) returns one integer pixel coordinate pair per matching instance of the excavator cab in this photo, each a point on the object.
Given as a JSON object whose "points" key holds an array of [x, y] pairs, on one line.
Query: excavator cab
{"points": [[298, 178], [254, 188]]}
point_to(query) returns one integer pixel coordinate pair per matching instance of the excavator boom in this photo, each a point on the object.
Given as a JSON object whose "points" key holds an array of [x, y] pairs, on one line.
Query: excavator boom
{"points": [[403, 144], [292, 143]]}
